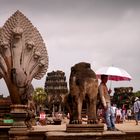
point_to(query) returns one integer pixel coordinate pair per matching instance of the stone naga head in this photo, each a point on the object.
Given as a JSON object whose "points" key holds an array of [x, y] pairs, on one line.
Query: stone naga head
{"points": [[23, 55]]}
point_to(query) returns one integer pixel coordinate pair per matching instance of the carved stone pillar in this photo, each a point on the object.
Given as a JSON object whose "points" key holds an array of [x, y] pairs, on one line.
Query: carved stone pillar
{"points": [[19, 114], [19, 129]]}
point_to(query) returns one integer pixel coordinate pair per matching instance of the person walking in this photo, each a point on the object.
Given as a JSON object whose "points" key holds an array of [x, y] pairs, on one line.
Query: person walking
{"points": [[137, 110], [129, 114], [123, 113], [109, 114], [118, 115]]}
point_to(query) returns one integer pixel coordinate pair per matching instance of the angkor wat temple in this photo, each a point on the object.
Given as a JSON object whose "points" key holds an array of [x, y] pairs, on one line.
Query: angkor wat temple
{"points": [[123, 96], [56, 89]]}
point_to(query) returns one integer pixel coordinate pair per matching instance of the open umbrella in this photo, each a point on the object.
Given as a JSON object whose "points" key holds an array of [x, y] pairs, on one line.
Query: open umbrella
{"points": [[114, 73]]}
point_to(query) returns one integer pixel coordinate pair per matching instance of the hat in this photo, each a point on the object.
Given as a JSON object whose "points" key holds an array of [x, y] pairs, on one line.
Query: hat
{"points": [[136, 98]]}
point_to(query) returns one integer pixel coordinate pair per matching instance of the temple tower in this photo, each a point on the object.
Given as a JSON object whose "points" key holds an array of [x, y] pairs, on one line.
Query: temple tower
{"points": [[56, 88]]}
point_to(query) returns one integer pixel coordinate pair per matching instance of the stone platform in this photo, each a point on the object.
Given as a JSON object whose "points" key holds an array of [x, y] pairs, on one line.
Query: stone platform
{"points": [[118, 135], [127, 131]]}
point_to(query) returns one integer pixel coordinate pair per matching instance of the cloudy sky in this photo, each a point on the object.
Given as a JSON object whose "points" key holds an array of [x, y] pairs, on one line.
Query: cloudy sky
{"points": [[101, 32]]}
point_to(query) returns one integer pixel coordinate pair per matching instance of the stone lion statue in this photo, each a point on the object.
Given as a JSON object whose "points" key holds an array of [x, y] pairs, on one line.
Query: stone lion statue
{"points": [[83, 87]]}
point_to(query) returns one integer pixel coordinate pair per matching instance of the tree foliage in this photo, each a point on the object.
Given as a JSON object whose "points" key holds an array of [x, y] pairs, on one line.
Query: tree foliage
{"points": [[137, 94], [40, 96]]}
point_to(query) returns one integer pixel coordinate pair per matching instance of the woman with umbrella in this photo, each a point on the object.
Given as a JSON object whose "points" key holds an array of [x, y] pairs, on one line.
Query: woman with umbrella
{"points": [[105, 98]]}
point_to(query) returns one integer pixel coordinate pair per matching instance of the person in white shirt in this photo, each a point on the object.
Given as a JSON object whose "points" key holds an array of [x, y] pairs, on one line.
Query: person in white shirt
{"points": [[129, 114], [137, 110], [118, 115]]}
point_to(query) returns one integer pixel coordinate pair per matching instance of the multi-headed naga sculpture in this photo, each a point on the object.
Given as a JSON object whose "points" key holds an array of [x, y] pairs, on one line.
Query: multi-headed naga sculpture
{"points": [[23, 56]]}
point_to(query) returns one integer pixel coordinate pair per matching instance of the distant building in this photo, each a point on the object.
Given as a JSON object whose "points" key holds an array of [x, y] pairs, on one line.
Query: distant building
{"points": [[56, 89], [123, 96]]}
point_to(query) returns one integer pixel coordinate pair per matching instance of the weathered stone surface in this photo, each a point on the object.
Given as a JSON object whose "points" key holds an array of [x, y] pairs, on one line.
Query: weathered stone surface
{"points": [[23, 56], [19, 114], [55, 132], [56, 88], [112, 135], [83, 87], [84, 128]]}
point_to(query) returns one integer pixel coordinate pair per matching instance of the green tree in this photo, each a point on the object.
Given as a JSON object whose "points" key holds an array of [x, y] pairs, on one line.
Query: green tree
{"points": [[137, 94], [40, 97]]}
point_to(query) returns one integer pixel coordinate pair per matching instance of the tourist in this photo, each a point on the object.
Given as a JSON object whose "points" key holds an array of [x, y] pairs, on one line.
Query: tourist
{"points": [[118, 115], [129, 114], [123, 113], [100, 114], [105, 99], [137, 110], [114, 108]]}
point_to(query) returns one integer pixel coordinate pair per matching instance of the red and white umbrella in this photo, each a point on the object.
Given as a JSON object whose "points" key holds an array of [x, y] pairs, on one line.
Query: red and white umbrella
{"points": [[114, 73]]}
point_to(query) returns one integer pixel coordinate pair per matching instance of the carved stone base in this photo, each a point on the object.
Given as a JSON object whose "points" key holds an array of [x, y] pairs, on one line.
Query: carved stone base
{"points": [[85, 128], [57, 122], [18, 129], [19, 114]]}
